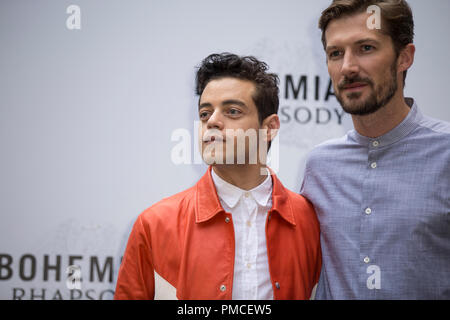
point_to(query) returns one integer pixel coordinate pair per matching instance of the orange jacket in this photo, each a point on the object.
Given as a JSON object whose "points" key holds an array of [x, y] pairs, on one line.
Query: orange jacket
{"points": [[189, 242]]}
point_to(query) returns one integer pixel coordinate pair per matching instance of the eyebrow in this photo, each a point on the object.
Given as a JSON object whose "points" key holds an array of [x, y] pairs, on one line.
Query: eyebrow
{"points": [[330, 48], [357, 42], [224, 103], [366, 40]]}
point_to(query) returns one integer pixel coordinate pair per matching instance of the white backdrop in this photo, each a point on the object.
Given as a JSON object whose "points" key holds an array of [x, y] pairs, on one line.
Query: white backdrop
{"points": [[87, 115]]}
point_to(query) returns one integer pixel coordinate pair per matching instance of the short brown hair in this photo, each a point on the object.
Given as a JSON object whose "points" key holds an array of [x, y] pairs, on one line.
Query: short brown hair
{"points": [[396, 15]]}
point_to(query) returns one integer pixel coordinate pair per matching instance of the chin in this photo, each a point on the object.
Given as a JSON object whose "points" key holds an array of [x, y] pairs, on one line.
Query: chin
{"points": [[213, 158], [359, 106]]}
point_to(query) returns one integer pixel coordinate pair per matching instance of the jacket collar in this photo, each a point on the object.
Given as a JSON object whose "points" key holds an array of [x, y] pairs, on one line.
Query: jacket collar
{"points": [[231, 194], [208, 204]]}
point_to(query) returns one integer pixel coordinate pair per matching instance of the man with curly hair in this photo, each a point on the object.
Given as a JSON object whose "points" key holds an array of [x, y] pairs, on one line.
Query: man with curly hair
{"points": [[238, 233]]}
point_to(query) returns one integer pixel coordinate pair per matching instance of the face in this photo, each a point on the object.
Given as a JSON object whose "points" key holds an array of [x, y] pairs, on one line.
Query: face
{"points": [[228, 117], [362, 65]]}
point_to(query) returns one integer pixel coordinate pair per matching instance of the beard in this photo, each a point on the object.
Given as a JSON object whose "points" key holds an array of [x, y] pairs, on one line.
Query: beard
{"points": [[378, 98]]}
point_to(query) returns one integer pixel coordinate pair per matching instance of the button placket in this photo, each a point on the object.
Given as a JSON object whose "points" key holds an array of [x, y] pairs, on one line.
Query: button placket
{"points": [[250, 248], [368, 205], [372, 159]]}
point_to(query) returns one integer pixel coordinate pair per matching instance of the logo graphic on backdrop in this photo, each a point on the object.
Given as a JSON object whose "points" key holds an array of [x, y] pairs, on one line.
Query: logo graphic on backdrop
{"points": [[76, 281], [306, 88]]}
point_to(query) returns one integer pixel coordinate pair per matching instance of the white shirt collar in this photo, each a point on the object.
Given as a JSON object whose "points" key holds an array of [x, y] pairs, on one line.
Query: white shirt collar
{"points": [[231, 194]]}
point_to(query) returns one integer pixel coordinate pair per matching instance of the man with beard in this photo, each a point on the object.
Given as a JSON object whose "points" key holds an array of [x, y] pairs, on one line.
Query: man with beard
{"points": [[381, 192]]}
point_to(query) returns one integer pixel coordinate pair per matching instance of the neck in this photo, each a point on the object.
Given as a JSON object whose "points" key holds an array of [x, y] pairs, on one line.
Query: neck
{"points": [[245, 177], [384, 120]]}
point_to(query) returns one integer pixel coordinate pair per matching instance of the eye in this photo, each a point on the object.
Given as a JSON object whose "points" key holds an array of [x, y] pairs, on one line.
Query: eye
{"points": [[203, 115], [367, 48], [234, 112], [334, 54]]}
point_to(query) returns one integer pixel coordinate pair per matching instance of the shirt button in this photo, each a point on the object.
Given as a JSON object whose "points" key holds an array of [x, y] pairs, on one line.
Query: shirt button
{"points": [[227, 219], [247, 194], [375, 144], [249, 265], [373, 165], [366, 260], [368, 211], [249, 223], [277, 285], [223, 288]]}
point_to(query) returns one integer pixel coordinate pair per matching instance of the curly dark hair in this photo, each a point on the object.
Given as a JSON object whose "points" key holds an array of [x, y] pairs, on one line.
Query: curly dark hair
{"points": [[223, 65]]}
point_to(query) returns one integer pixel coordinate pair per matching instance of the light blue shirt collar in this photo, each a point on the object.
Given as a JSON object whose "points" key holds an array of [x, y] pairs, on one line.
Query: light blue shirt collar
{"points": [[411, 122]]}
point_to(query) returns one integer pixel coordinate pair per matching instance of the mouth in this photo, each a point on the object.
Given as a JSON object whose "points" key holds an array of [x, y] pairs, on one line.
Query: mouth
{"points": [[213, 139], [354, 86]]}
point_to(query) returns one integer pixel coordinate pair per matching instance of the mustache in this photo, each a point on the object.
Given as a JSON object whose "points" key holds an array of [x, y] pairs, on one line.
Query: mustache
{"points": [[347, 81]]}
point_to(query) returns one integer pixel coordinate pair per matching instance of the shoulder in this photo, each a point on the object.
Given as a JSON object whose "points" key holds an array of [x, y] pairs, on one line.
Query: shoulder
{"points": [[334, 144], [302, 209], [169, 210], [298, 201], [292, 202], [329, 149], [435, 126], [432, 137]]}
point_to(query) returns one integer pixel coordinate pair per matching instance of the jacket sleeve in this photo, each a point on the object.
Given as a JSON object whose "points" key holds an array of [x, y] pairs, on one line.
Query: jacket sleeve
{"points": [[136, 279], [318, 268]]}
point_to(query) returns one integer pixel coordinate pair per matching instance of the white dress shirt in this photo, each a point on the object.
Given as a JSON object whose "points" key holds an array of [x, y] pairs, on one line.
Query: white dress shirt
{"points": [[249, 210]]}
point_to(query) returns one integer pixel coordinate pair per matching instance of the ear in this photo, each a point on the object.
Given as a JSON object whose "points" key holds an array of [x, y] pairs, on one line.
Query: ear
{"points": [[272, 124], [406, 58]]}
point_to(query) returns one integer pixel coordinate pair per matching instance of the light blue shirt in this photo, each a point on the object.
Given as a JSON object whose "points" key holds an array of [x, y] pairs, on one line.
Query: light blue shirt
{"points": [[384, 211]]}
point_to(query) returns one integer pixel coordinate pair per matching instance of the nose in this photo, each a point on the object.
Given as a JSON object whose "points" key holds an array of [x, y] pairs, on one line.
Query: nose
{"points": [[215, 121], [350, 66]]}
